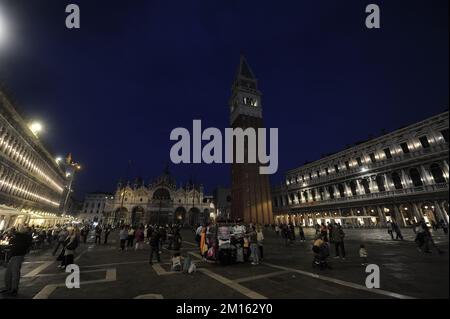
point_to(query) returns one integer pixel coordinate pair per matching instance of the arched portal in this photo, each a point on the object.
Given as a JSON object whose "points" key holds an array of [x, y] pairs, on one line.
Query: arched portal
{"points": [[121, 215], [137, 215]]}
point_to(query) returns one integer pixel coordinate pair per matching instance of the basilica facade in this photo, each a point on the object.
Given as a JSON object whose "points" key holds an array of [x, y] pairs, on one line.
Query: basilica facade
{"points": [[160, 202]]}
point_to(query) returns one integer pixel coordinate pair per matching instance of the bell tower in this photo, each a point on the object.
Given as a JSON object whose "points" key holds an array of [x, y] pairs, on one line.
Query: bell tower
{"points": [[250, 191]]}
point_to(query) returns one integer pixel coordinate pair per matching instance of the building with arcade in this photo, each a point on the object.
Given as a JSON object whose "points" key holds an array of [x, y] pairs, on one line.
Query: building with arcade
{"points": [[401, 176]]}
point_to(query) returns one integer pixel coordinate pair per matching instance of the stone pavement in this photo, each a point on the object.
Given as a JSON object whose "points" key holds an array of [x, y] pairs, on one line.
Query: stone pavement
{"points": [[286, 272]]}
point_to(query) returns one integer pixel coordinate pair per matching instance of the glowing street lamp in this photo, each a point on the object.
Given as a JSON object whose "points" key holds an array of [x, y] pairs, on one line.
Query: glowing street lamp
{"points": [[36, 128]]}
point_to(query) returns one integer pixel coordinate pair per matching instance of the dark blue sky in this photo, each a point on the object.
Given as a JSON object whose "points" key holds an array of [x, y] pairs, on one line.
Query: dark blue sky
{"points": [[113, 91]]}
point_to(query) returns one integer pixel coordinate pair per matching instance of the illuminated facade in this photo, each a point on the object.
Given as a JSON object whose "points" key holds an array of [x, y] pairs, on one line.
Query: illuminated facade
{"points": [[95, 206], [160, 202], [401, 176], [32, 185]]}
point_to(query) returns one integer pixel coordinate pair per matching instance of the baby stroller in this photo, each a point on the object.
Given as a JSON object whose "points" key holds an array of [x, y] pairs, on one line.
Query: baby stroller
{"points": [[321, 253]]}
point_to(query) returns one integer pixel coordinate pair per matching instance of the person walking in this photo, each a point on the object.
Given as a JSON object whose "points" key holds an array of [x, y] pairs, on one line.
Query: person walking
{"points": [[254, 245], [85, 233], [130, 237], [398, 232], [177, 240], [260, 240], [98, 234], [154, 246], [70, 245], [444, 226], [390, 229], [62, 235], [324, 232], [338, 239], [330, 231], [20, 245], [301, 233], [139, 239], [291, 233], [107, 232], [123, 236]]}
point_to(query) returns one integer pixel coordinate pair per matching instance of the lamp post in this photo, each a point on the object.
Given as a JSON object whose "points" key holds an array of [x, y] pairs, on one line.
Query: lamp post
{"points": [[70, 168]]}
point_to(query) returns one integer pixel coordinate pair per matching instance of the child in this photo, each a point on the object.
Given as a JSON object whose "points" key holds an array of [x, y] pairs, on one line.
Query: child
{"points": [[363, 254], [177, 262]]}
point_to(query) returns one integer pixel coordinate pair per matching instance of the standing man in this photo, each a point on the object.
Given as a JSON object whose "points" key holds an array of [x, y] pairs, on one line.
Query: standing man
{"points": [[389, 229], [62, 235], [398, 232], [107, 231], [20, 246], [338, 239], [154, 246], [98, 234]]}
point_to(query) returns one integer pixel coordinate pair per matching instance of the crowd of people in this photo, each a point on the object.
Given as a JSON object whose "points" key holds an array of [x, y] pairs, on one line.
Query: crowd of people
{"points": [[224, 243], [230, 243]]}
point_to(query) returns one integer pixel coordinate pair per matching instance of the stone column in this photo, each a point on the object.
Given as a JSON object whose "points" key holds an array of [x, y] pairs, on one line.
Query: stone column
{"points": [[445, 170], [326, 195], [359, 188], [310, 199], [373, 184], [337, 194], [302, 197], [382, 216], [406, 181], [387, 182], [441, 215], [348, 190], [426, 176], [417, 210], [398, 216]]}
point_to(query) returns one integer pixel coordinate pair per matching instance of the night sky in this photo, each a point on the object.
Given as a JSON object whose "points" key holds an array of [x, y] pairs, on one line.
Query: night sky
{"points": [[112, 91]]}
